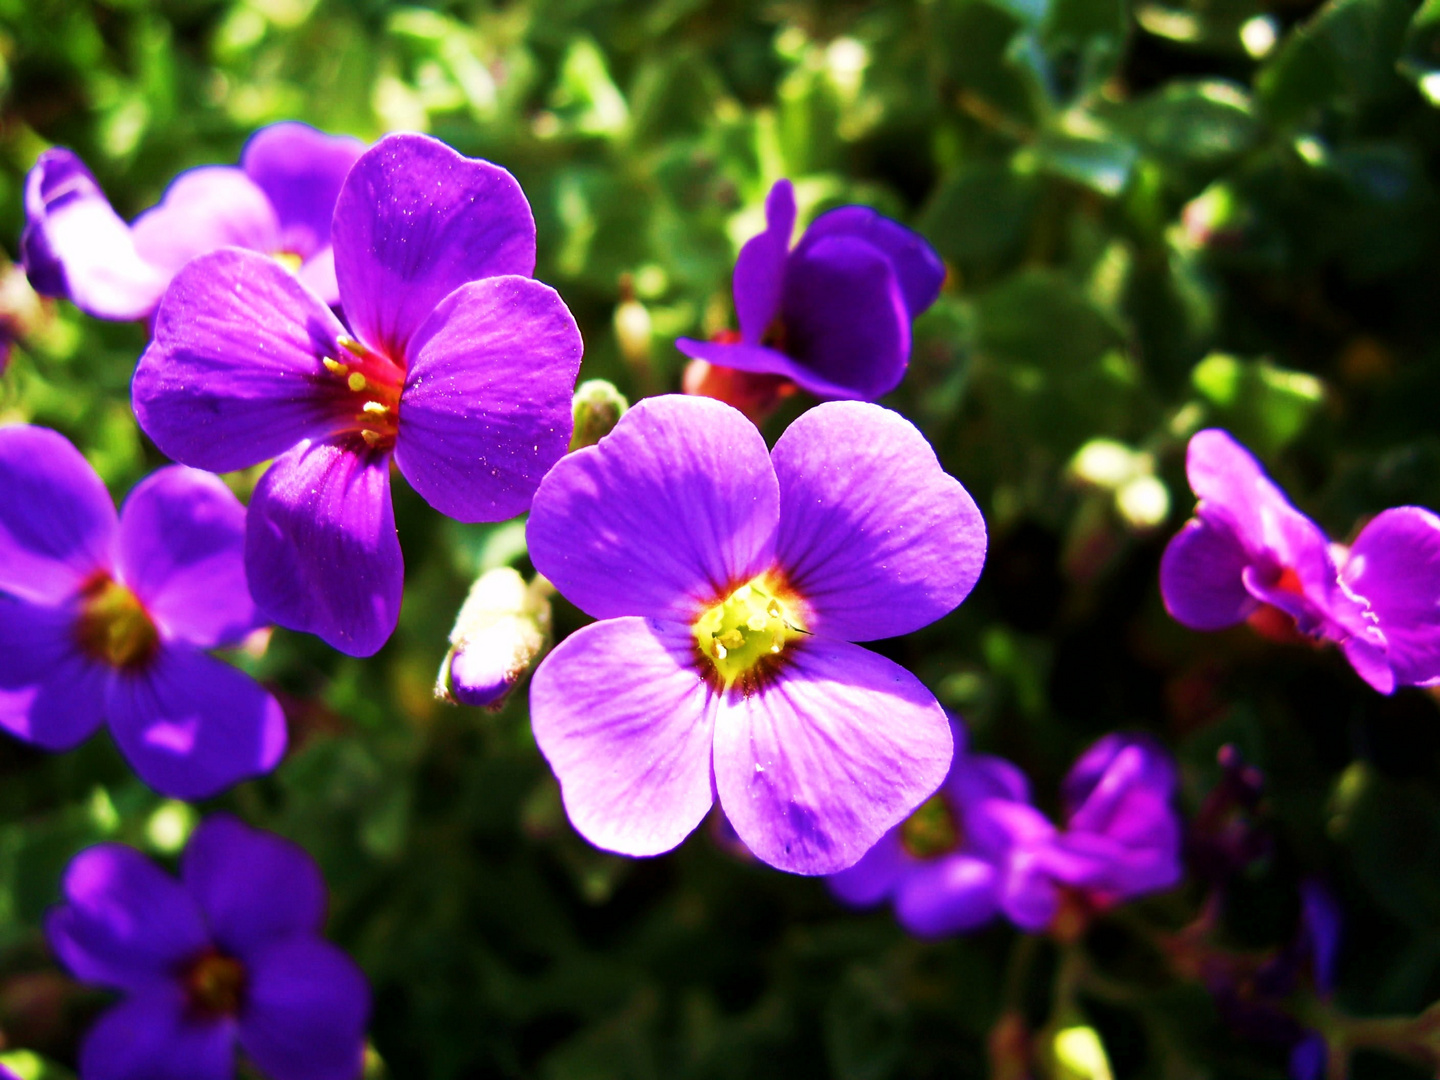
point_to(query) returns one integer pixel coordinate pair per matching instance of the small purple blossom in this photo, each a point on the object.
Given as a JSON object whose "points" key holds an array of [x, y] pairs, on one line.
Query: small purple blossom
{"points": [[1249, 555], [834, 313], [730, 582], [231, 953], [454, 361], [278, 201], [950, 867], [107, 617]]}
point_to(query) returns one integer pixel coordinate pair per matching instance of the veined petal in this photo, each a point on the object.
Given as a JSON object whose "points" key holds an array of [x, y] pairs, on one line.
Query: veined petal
{"points": [[234, 373], [875, 537], [625, 721], [815, 767], [51, 695], [1395, 565], [668, 513], [948, 895], [151, 1036], [1201, 577], [760, 267], [57, 523], [300, 170], [204, 210], [846, 324], [75, 246], [305, 1012], [917, 267], [191, 726], [125, 923], [182, 552], [254, 887], [486, 409], [321, 552], [415, 221]]}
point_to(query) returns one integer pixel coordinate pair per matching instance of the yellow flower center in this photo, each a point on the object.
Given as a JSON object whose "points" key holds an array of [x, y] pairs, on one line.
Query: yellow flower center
{"points": [[114, 626], [215, 985], [931, 830], [289, 260], [746, 632]]}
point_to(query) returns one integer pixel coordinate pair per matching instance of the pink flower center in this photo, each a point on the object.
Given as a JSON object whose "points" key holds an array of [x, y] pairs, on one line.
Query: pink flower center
{"points": [[370, 392], [114, 626], [215, 985], [932, 830]]}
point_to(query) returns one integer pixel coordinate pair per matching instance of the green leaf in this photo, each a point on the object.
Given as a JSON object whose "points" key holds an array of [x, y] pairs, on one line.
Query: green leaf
{"points": [[1262, 405]]}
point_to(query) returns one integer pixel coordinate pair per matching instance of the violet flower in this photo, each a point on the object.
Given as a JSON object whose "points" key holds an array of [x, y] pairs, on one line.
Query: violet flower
{"points": [[454, 361], [948, 867], [1248, 554], [730, 583], [109, 618], [834, 313], [231, 953], [279, 202]]}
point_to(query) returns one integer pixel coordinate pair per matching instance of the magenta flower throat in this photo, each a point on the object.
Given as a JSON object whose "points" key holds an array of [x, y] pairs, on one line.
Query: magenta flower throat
{"points": [[730, 583]]}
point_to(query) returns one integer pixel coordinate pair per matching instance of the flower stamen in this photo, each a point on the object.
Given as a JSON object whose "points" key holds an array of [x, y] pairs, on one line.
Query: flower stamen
{"points": [[745, 632]]}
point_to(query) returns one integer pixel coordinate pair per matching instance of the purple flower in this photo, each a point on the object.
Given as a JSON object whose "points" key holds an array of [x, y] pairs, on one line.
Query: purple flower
{"points": [[454, 361], [833, 314], [279, 202], [230, 952], [106, 617], [1248, 554], [730, 583], [951, 866]]}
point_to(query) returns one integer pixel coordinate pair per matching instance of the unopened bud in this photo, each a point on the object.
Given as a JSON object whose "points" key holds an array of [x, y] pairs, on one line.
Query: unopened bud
{"points": [[633, 332], [597, 409], [502, 627], [1080, 1055]]}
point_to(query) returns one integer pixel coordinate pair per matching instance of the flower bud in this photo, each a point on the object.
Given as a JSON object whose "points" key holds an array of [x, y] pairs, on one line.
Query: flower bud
{"points": [[597, 409], [502, 627]]}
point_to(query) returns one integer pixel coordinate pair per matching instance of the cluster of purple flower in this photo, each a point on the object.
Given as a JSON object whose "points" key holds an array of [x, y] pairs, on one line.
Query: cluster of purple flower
{"points": [[334, 308]]}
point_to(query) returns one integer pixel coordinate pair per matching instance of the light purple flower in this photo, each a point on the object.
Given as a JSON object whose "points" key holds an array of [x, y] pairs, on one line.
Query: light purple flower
{"points": [[454, 361], [952, 865], [833, 314], [730, 583], [279, 202], [230, 953], [1248, 554], [107, 617]]}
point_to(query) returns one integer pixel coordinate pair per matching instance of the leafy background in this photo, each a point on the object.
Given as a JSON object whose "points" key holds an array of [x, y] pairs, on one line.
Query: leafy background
{"points": [[1157, 216]]}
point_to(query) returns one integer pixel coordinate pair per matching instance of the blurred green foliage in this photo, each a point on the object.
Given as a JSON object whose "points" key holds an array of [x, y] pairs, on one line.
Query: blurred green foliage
{"points": [[1157, 216]]}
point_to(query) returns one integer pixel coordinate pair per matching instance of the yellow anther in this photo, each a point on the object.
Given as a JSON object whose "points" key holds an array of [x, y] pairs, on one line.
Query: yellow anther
{"points": [[349, 344], [375, 408], [749, 627], [356, 382], [335, 367], [370, 437]]}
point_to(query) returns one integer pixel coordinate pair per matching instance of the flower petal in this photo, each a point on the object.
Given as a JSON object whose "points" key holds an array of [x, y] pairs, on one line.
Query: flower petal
{"points": [[760, 267], [917, 267], [415, 221], [125, 923], [1395, 565], [191, 726], [305, 1012], [57, 523], [204, 210], [875, 537], [759, 360], [1202, 577], [625, 721], [486, 409], [846, 324], [75, 246], [50, 694], [182, 552], [233, 374], [254, 887], [876, 876], [948, 895], [150, 1036], [815, 767], [300, 170], [669, 512], [321, 552]]}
